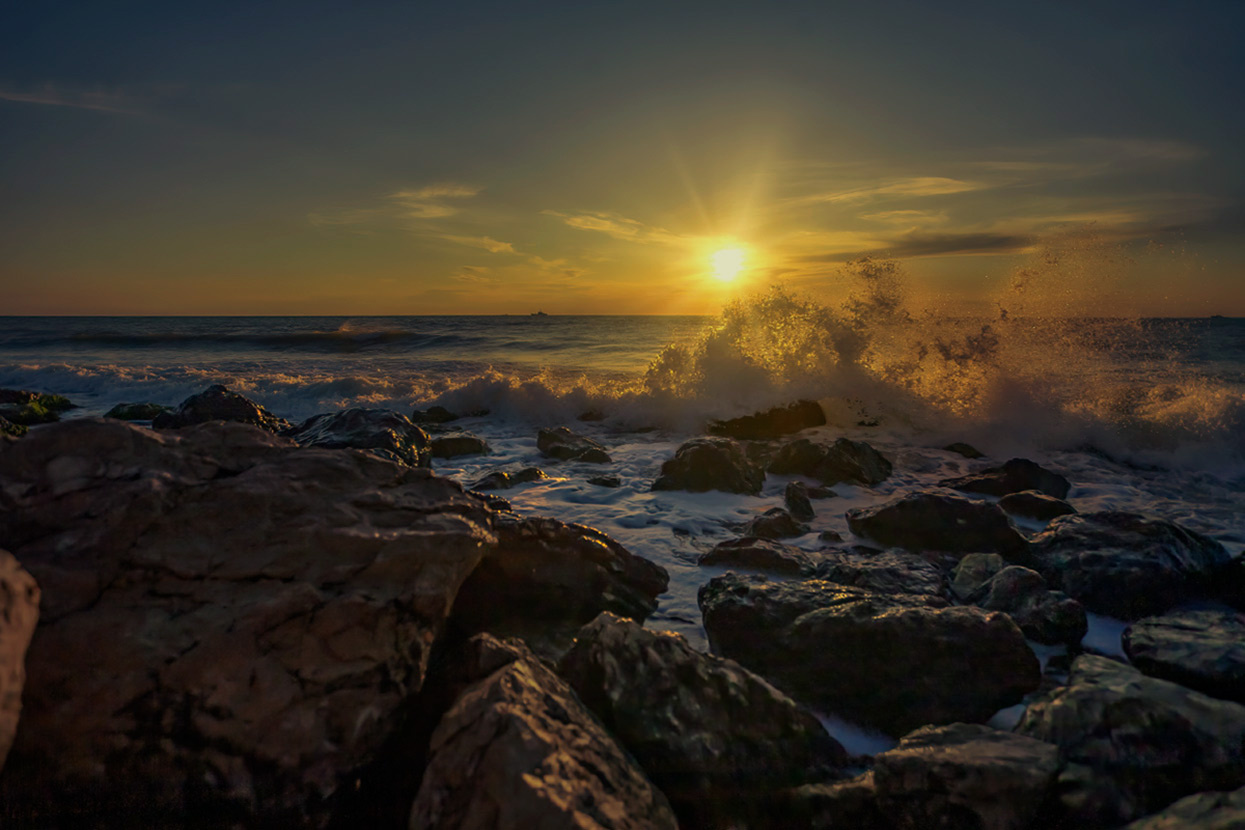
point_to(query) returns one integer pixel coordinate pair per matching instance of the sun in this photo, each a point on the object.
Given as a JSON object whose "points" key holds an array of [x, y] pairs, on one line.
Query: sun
{"points": [[728, 263]]}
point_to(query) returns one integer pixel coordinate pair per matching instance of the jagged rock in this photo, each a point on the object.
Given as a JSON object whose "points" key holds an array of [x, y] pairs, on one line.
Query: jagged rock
{"points": [[772, 423], [894, 661], [1134, 744], [1043, 615], [1014, 476], [218, 403], [854, 462], [433, 415], [1031, 504], [775, 523], [27, 409], [229, 622], [885, 572], [565, 445], [795, 496], [1203, 650], [502, 480], [605, 481], [966, 450], [935, 521], [464, 443], [382, 431], [713, 736], [761, 555], [710, 464], [497, 503], [1204, 811], [11, 429], [19, 611], [841, 805], [136, 411], [966, 775], [518, 750], [974, 571], [1125, 565]]}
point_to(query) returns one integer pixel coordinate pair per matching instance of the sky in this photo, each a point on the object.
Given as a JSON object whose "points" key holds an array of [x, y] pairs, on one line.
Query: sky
{"points": [[617, 158]]}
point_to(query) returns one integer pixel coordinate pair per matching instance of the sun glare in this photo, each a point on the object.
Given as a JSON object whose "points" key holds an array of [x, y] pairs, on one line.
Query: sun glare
{"points": [[727, 263]]}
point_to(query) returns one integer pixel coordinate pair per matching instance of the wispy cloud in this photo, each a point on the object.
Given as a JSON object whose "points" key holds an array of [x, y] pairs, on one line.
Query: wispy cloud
{"points": [[488, 243], [429, 202], [619, 227], [912, 187], [54, 95], [907, 217], [473, 274], [556, 266]]}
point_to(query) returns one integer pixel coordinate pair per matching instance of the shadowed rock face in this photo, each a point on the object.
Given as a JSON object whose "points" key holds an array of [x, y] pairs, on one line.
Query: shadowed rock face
{"points": [[1034, 505], [759, 554], [711, 464], [935, 521], [771, 423], [217, 403], [565, 445], [383, 431], [452, 446], [136, 411], [1043, 615], [1203, 650], [1204, 811], [854, 462], [1014, 476], [19, 611]]}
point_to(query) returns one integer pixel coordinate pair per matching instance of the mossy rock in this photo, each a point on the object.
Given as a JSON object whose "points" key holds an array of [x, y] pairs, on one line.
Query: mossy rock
{"points": [[30, 408], [7, 427], [136, 411]]}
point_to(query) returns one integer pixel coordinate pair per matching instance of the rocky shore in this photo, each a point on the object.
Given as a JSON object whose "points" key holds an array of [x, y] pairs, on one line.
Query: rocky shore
{"points": [[223, 619]]}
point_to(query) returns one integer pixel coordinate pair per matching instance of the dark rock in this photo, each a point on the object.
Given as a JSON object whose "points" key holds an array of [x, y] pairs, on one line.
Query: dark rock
{"points": [[1014, 476], [1046, 616], [219, 404], [1204, 811], [463, 443], [591, 415], [565, 445], [1134, 744], [1203, 650], [518, 750], [761, 555], [795, 496], [713, 736], [974, 571], [1031, 504], [433, 415], [775, 523], [830, 536], [497, 503], [966, 450], [710, 464], [841, 805], [502, 480], [19, 612], [11, 429], [1125, 565], [605, 481], [885, 572], [894, 661], [382, 431], [27, 409], [136, 411], [772, 423], [854, 462], [934, 521], [816, 493]]}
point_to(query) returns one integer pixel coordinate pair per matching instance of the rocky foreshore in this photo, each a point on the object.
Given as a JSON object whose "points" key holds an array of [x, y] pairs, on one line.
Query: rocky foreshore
{"points": [[243, 622]]}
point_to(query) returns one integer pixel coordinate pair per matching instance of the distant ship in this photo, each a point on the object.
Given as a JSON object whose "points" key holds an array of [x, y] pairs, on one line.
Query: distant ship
{"points": [[539, 314]]}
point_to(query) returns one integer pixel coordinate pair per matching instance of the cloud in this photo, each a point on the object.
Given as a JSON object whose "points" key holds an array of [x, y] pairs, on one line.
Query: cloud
{"points": [[619, 227], [489, 244], [558, 266], [473, 274], [907, 217], [53, 95], [428, 202], [912, 187]]}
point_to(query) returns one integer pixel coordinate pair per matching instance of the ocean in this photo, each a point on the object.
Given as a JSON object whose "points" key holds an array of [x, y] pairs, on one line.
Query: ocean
{"points": [[1144, 415]]}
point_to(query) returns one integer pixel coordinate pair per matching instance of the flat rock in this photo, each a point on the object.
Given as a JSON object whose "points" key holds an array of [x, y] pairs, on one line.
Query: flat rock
{"points": [[1203, 650], [1014, 476], [1046, 616], [218, 403], [19, 612], [772, 423], [565, 445], [885, 572], [761, 555], [1204, 811], [775, 523], [854, 462], [382, 431], [462, 443], [711, 464], [1030, 504], [937, 521]]}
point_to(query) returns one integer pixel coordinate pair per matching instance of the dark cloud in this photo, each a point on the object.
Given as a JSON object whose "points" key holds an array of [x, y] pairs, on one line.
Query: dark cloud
{"points": [[935, 244]]}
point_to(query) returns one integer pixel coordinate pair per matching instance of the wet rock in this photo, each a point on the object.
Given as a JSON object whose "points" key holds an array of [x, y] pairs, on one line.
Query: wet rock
{"points": [[966, 450], [1125, 565], [885, 572], [606, 481], [974, 571], [382, 431], [772, 423], [217, 403], [136, 411], [27, 409], [229, 622], [966, 775], [433, 415], [761, 555], [1134, 744], [591, 415], [1014, 476], [854, 462], [1046, 616], [565, 445], [1204, 811], [775, 523], [19, 611], [710, 464], [497, 503], [503, 480], [1203, 650], [795, 496], [518, 750], [840, 805], [11, 429], [830, 536], [713, 736], [1031, 504], [463, 443], [894, 661], [934, 521], [817, 493]]}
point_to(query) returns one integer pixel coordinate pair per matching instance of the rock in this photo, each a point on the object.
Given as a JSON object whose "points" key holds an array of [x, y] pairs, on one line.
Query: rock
{"points": [[966, 775], [591, 415], [605, 481], [1134, 744], [11, 429], [884, 572], [1031, 504], [820, 493], [565, 445], [27, 409], [229, 622], [841, 805], [934, 521], [502, 480], [713, 736], [19, 611], [1204, 811], [966, 450], [1203, 650], [463, 443], [854, 462], [382, 431], [710, 464], [761, 555], [1014, 476], [772, 423], [830, 536], [775, 523], [1125, 565], [894, 661], [497, 503], [433, 415], [217, 403], [974, 571], [136, 411], [518, 750], [795, 496], [1046, 616]]}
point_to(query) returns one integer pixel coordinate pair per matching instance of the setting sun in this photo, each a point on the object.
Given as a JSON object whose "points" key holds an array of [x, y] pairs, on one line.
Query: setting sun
{"points": [[727, 263]]}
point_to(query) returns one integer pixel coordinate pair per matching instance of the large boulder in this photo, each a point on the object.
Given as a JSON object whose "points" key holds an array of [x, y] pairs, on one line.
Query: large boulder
{"points": [[19, 611], [884, 572], [565, 445], [759, 554], [1204, 811], [1204, 650], [218, 403], [772, 423], [1126, 565], [854, 462], [795, 497], [230, 623], [517, 750], [894, 661], [775, 523], [1030, 504], [136, 411], [1134, 744], [713, 736], [710, 464], [1046, 616], [382, 431], [24, 409], [937, 521], [1014, 476]]}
